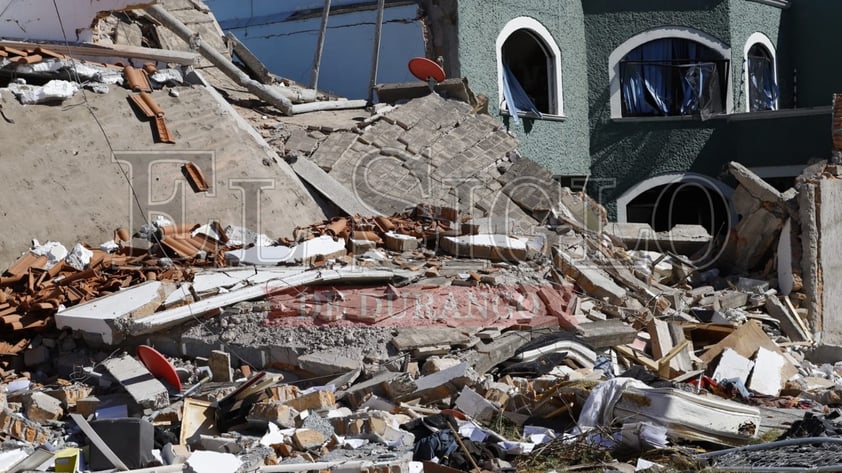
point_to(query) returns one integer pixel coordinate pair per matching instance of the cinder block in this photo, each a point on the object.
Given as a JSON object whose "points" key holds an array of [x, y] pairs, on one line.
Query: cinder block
{"points": [[315, 400], [41, 407], [306, 439], [70, 395], [398, 242], [273, 411]]}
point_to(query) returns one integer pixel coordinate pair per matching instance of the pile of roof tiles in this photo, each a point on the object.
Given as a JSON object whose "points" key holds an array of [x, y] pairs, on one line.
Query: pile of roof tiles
{"points": [[47, 278], [44, 279]]}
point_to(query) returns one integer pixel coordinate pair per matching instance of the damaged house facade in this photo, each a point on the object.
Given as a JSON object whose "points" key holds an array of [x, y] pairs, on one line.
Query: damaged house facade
{"points": [[630, 100]]}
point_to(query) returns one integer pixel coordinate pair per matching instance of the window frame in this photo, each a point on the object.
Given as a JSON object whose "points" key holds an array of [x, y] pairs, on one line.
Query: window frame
{"points": [[761, 39], [550, 47], [620, 52]]}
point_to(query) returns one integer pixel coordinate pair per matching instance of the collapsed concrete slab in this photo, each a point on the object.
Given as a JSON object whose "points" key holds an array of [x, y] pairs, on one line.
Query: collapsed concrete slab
{"points": [[102, 319], [144, 388], [681, 239], [486, 246]]}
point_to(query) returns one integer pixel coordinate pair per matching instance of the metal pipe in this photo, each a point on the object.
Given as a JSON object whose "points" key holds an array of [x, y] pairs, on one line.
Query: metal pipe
{"points": [[328, 105], [317, 61], [375, 57], [263, 92]]}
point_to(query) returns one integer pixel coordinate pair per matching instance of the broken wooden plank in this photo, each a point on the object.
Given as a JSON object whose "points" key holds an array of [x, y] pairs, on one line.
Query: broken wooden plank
{"points": [[184, 58], [665, 361], [633, 355]]}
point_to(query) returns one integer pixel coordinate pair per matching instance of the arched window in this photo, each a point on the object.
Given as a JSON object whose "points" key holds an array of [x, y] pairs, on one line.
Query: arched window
{"points": [[529, 69], [761, 74], [673, 76], [670, 71]]}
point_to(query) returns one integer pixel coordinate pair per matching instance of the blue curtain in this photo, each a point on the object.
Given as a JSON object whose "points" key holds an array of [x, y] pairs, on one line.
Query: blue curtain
{"points": [[634, 92], [656, 76], [763, 89], [670, 76], [516, 98]]}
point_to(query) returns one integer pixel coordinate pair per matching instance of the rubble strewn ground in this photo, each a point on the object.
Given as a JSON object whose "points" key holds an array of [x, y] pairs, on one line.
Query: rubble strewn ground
{"points": [[484, 319]]}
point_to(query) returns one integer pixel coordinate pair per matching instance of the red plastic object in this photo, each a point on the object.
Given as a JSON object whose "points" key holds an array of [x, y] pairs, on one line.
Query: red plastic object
{"points": [[425, 69], [159, 366]]}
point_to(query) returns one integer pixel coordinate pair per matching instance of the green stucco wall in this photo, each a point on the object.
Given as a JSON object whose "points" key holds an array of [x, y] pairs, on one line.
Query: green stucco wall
{"points": [[563, 147], [752, 17], [626, 152], [617, 154], [814, 28]]}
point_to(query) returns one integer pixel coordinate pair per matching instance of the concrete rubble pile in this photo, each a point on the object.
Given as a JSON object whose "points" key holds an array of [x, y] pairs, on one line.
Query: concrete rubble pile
{"points": [[429, 340], [462, 311]]}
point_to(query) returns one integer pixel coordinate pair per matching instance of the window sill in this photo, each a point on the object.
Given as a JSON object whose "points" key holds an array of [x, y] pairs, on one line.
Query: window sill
{"points": [[531, 116], [781, 113], [676, 118]]}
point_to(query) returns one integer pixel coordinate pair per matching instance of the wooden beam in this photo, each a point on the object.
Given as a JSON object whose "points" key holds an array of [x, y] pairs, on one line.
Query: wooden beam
{"points": [[184, 58]]}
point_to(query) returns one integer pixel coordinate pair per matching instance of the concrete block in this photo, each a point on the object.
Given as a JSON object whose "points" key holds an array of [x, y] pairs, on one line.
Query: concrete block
{"points": [[486, 246], [606, 333], [41, 407], [590, 278], [273, 411], [729, 299], [359, 247], [327, 363], [409, 338], [144, 388], [475, 405], [305, 439], [767, 377], [323, 247], [436, 364], [387, 384], [399, 242], [316, 400], [444, 384], [36, 356], [70, 395], [220, 365], [101, 317], [753, 183], [487, 356]]}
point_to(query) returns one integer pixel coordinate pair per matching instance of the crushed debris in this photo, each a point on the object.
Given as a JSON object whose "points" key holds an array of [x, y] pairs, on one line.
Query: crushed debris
{"points": [[484, 322]]}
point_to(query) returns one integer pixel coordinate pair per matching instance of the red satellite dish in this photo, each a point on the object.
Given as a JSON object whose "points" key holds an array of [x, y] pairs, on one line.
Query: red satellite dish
{"points": [[159, 366], [426, 69]]}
